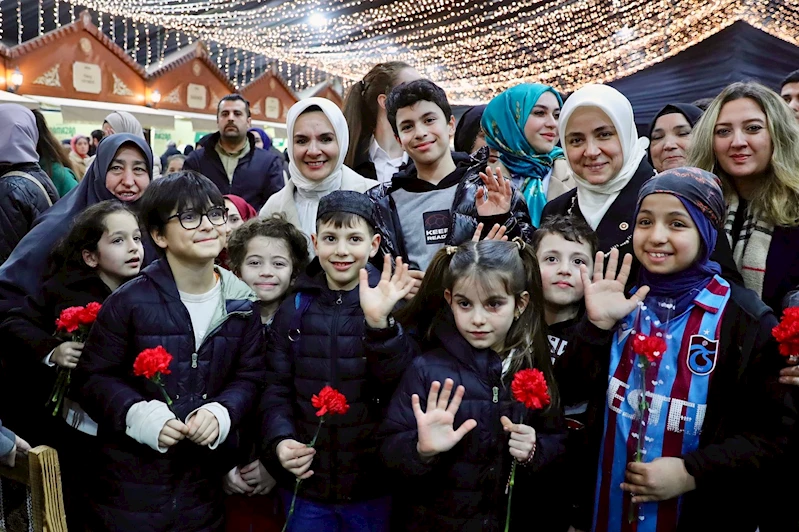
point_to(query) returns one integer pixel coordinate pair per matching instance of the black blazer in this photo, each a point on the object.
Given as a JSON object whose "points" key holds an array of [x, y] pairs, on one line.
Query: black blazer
{"points": [[616, 228], [782, 268]]}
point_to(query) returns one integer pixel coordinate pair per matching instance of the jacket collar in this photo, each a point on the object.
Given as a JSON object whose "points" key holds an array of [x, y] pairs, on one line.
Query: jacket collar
{"points": [[233, 289], [313, 281]]}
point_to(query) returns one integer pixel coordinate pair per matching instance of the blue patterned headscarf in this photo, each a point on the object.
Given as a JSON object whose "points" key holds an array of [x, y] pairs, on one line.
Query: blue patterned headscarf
{"points": [[503, 123]]}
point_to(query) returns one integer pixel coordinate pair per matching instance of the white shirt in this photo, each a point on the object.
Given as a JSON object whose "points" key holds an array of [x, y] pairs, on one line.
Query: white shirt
{"points": [[385, 167], [201, 309]]}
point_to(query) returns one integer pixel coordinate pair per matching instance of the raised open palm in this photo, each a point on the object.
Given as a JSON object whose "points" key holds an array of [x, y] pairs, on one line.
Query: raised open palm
{"points": [[378, 302], [605, 301], [436, 431], [495, 197]]}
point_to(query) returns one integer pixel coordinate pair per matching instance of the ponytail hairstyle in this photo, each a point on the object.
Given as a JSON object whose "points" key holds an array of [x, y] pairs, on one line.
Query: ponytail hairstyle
{"points": [[86, 231], [488, 262], [361, 107]]}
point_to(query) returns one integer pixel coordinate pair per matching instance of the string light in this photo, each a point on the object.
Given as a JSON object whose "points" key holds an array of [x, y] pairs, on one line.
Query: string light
{"points": [[41, 17], [474, 50], [19, 21]]}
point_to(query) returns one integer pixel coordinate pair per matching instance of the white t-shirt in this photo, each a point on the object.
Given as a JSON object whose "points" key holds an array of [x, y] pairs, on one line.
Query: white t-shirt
{"points": [[201, 309]]}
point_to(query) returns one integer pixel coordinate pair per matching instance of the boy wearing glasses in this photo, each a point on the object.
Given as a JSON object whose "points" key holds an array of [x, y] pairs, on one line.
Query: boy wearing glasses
{"points": [[159, 467]]}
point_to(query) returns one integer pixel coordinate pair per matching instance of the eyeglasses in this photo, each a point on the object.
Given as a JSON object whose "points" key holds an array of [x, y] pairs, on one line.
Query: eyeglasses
{"points": [[194, 219]]}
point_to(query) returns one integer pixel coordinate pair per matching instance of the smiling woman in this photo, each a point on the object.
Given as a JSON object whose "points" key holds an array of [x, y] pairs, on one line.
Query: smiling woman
{"points": [[121, 169], [318, 139]]}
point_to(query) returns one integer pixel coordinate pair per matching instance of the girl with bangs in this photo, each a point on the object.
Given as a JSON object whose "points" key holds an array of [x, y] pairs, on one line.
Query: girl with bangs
{"points": [[483, 302]]}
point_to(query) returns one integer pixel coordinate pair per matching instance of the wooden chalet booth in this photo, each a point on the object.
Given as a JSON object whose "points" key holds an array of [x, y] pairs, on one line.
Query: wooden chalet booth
{"points": [[323, 90], [10, 82], [79, 76], [270, 99]]}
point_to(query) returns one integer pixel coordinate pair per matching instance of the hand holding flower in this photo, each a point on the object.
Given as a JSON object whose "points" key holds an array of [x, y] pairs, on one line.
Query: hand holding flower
{"points": [[203, 427], [171, 433], [522, 439], [67, 354], [659, 480], [296, 458]]}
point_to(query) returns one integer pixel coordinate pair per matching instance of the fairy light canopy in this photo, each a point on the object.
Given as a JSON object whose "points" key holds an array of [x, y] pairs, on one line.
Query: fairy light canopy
{"points": [[474, 50]]}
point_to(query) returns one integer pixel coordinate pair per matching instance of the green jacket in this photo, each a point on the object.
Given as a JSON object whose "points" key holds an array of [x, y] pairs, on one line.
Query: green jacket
{"points": [[63, 178]]}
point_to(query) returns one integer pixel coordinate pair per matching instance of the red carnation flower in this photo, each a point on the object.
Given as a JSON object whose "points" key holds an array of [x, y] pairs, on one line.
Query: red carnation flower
{"points": [[151, 362], [651, 347], [69, 319], [329, 401], [530, 387], [88, 314], [787, 332]]}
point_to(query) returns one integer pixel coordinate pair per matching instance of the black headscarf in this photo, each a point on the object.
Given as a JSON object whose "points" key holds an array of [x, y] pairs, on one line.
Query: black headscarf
{"points": [[25, 270], [691, 113], [468, 128]]}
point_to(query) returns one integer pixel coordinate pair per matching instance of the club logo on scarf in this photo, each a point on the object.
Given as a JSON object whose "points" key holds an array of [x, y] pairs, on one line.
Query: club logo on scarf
{"points": [[702, 355]]}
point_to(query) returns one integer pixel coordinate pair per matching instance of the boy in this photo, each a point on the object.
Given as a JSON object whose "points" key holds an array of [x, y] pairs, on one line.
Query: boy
{"points": [[438, 199], [562, 244], [336, 331], [159, 467]]}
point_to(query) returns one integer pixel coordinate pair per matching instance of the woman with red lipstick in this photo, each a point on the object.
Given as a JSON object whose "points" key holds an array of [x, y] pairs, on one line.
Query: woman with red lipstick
{"points": [[750, 139], [318, 139], [522, 124], [102, 250]]}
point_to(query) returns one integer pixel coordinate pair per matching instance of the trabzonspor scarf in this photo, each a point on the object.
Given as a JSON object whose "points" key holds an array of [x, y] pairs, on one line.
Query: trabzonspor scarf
{"points": [[503, 123], [700, 193]]}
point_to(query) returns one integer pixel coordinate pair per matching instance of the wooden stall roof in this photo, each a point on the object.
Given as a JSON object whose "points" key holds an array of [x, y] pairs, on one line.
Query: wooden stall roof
{"points": [[323, 90], [188, 80], [78, 61], [270, 98]]}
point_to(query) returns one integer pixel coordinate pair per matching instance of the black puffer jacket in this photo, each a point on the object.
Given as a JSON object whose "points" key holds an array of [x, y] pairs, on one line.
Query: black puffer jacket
{"points": [[140, 489], [464, 211], [464, 488], [330, 349], [21, 202]]}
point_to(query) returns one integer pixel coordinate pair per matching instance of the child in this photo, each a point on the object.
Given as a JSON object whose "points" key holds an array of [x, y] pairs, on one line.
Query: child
{"points": [[159, 466], [438, 201], [102, 250], [561, 245], [317, 340], [268, 254], [480, 309], [714, 414]]}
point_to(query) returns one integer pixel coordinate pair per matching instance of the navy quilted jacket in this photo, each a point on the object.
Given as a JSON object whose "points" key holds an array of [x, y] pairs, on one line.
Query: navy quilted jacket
{"points": [[138, 488], [464, 488], [333, 346]]}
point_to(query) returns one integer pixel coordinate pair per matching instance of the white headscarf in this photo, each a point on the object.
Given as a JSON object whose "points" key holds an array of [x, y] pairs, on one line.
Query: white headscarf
{"points": [[310, 192], [18, 135], [595, 200]]}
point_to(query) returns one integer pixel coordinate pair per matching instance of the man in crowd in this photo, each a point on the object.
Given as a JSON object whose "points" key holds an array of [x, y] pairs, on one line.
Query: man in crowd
{"points": [[789, 90], [230, 160]]}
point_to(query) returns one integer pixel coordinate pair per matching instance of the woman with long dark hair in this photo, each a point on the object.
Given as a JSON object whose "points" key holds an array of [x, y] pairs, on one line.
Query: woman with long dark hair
{"points": [[53, 159]]}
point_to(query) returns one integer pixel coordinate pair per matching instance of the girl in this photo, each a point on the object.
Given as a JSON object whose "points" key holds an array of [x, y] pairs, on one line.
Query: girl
{"points": [[522, 124], [52, 157], [79, 152], [102, 250], [480, 310], [713, 413], [374, 151], [238, 212], [317, 140], [670, 135]]}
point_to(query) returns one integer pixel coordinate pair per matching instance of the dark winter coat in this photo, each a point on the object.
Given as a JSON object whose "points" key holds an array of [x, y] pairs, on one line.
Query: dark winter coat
{"points": [[616, 228], [747, 423], [464, 211], [464, 488], [258, 175], [27, 335], [140, 489], [21, 203], [332, 347]]}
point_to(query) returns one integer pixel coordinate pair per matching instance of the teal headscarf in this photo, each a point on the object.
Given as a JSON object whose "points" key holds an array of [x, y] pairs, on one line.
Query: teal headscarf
{"points": [[503, 122]]}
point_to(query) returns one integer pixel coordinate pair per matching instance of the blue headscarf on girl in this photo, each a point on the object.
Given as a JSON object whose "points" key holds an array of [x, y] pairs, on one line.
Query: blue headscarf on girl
{"points": [[503, 123], [700, 194]]}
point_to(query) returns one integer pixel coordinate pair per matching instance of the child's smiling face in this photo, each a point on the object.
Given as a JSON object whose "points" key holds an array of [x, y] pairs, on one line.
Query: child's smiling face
{"points": [[267, 268], [343, 251], [484, 312], [665, 238]]}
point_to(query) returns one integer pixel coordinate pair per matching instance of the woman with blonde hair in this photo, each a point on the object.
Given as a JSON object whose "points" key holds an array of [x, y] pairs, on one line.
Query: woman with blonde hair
{"points": [[750, 139]]}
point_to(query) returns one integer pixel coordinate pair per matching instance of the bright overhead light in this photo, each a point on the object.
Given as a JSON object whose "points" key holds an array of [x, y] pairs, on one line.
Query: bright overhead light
{"points": [[317, 19]]}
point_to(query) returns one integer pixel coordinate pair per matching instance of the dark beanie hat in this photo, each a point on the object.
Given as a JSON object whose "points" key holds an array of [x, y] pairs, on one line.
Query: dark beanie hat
{"points": [[347, 201]]}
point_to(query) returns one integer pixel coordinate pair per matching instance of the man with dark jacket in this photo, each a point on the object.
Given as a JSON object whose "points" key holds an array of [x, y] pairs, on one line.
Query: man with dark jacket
{"points": [[230, 160], [171, 149]]}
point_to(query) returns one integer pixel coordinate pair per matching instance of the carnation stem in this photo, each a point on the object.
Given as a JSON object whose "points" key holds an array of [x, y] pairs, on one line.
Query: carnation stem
{"points": [[511, 482], [291, 508], [315, 436], [168, 400]]}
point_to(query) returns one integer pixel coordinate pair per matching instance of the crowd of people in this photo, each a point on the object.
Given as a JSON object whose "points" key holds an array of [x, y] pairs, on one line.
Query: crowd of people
{"points": [[634, 282]]}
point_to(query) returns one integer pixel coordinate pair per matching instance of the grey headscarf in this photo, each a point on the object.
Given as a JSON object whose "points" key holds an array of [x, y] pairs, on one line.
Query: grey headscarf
{"points": [[18, 135], [123, 122]]}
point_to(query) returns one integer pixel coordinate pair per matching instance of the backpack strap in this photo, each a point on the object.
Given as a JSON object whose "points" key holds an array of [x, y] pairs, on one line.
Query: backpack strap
{"points": [[302, 302], [33, 180]]}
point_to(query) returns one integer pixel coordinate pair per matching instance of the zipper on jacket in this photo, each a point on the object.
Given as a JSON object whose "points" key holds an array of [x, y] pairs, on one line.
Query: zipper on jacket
{"points": [[194, 360], [334, 382], [338, 301], [495, 391]]}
